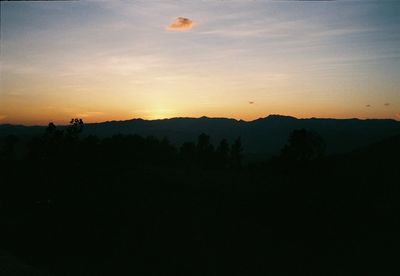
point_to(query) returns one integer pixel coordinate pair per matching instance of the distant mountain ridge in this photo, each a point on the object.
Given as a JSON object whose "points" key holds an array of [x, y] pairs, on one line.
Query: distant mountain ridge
{"points": [[264, 135]]}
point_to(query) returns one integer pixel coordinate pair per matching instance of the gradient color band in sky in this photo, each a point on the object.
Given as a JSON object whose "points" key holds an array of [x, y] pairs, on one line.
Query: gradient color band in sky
{"points": [[155, 59]]}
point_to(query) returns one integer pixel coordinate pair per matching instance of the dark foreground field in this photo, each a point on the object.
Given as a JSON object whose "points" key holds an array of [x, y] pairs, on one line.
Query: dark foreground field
{"points": [[129, 205]]}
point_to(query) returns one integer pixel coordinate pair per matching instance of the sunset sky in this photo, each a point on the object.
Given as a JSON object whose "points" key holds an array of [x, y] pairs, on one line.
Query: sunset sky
{"points": [[159, 59]]}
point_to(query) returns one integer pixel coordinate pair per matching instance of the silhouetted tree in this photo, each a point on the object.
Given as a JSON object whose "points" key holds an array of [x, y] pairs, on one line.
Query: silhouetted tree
{"points": [[51, 128], [205, 151], [7, 151], [222, 153], [203, 142], [49, 146], [188, 153], [236, 154], [74, 129], [303, 145], [52, 134]]}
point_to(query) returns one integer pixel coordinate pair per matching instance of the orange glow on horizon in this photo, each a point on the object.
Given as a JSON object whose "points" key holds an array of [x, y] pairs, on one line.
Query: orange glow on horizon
{"points": [[28, 117]]}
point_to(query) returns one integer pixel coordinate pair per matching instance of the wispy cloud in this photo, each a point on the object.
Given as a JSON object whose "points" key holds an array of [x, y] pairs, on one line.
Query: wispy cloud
{"points": [[89, 114], [18, 69], [236, 33], [118, 64], [180, 24], [299, 29]]}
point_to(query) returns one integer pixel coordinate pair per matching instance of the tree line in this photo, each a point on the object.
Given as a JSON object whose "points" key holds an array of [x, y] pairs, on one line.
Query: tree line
{"points": [[80, 205], [68, 145]]}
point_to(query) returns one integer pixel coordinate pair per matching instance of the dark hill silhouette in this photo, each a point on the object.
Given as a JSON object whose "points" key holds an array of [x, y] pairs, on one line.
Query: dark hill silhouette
{"points": [[262, 136]]}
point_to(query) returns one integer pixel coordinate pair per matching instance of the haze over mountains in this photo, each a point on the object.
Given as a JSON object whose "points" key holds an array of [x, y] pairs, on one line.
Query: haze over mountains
{"points": [[262, 136]]}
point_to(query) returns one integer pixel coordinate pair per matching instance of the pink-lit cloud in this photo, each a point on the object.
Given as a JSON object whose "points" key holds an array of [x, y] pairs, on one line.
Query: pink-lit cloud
{"points": [[181, 24]]}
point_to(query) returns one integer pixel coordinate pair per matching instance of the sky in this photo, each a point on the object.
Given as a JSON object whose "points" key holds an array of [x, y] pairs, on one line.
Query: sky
{"points": [[118, 60]]}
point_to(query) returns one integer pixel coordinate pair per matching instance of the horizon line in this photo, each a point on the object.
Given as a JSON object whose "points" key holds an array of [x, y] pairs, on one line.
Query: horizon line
{"points": [[202, 117]]}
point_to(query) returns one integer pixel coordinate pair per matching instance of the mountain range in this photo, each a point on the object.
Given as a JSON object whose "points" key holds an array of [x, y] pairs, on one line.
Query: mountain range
{"points": [[262, 136]]}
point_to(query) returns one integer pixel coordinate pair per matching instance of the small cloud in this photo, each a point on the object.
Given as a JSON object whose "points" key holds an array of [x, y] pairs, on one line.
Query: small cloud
{"points": [[397, 116], [251, 102], [368, 105], [180, 24], [386, 104]]}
